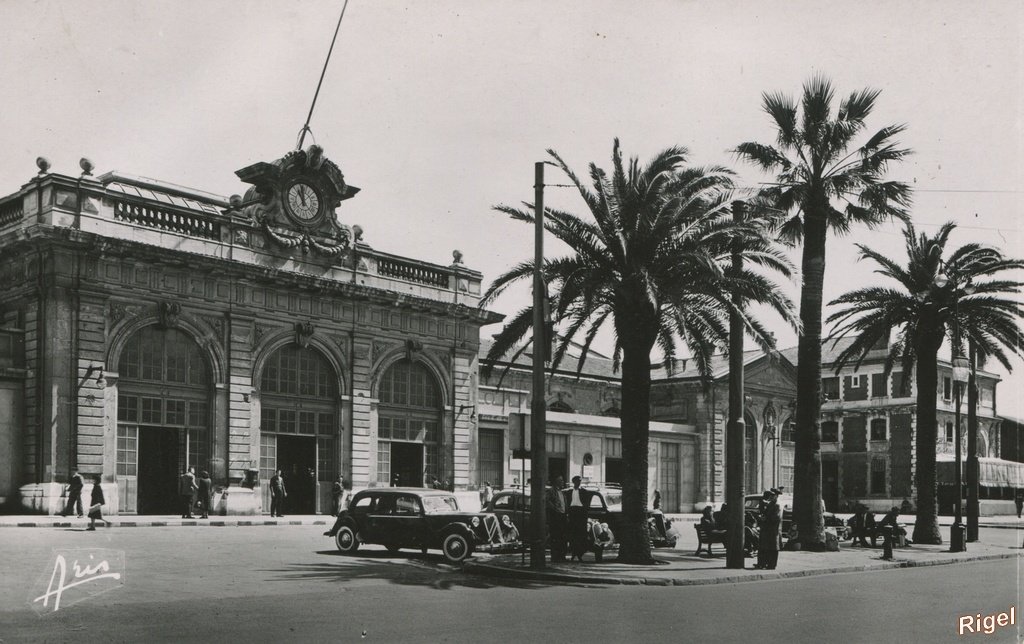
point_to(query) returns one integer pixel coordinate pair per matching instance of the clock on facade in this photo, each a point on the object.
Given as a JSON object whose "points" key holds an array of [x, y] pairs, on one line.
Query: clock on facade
{"points": [[303, 201]]}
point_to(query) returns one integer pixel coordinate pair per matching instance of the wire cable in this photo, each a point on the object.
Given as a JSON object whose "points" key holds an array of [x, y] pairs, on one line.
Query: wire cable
{"points": [[305, 128]]}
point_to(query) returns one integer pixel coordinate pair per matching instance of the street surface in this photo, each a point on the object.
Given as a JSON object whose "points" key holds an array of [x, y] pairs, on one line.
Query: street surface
{"points": [[274, 583]]}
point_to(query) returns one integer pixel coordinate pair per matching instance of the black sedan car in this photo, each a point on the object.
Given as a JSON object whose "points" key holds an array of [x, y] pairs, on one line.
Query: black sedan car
{"points": [[604, 517], [422, 519]]}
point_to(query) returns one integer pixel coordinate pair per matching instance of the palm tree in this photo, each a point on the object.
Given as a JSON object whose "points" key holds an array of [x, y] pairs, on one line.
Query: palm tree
{"points": [[932, 299], [825, 186], [652, 261]]}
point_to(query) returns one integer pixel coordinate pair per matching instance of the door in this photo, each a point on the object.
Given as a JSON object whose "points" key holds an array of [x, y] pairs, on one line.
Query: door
{"points": [[668, 477], [296, 458], [407, 464], [158, 471], [830, 484], [491, 461]]}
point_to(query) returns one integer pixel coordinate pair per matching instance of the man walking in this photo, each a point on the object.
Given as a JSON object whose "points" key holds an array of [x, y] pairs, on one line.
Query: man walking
{"points": [[277, 494], [187, 488], [75, 486], [770, 537], [205, 493], [554, 504]]}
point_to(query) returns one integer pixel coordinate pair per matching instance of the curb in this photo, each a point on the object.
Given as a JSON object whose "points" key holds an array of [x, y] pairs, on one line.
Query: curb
{"points": [[514, 573], [185, 523]]}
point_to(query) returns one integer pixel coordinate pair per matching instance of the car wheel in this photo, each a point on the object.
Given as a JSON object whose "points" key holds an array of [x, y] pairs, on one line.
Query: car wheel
{"points": [[346, 540], [456, 547]]}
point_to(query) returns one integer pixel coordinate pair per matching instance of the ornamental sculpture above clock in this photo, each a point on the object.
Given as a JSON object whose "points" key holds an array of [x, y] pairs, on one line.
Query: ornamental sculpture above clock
{"points": [[294, 200]]}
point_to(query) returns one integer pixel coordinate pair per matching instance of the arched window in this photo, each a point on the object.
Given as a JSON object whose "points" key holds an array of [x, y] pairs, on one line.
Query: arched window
{"points": [[408, 425], [163, 413], [299, 422]]}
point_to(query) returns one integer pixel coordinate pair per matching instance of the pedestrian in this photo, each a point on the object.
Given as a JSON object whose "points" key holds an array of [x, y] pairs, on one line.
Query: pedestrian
{"points": [[578, 502], [1019, 501], [337, 495], [75, 486], [394, 481], [888, 524], [187, 488], [770, 538], [488, 492], [205, 494], [554, 506], [657, 500], [448, 485], [278, 494], [96, 505]]}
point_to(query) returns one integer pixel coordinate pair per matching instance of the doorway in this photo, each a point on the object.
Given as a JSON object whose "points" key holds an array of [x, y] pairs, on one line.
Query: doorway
{"points": [[407, 464], [158, 471], [830, 484], [296, 458], [558, 466]]}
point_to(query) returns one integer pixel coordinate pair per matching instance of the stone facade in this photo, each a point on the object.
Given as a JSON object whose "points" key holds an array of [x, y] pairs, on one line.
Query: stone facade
{"points": [[92, 263]]}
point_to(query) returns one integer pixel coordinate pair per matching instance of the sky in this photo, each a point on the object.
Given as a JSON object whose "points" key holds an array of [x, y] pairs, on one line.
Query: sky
{"points": [[438, 110]]}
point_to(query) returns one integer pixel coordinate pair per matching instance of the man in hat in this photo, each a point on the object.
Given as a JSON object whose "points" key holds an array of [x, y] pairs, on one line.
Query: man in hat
{"points": [[75, 486], [771, 524], [577, 503]]}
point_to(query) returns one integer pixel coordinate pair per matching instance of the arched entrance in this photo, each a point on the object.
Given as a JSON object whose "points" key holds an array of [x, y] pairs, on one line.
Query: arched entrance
{"points": [[299, 427], [163, 418], [408, 425]]}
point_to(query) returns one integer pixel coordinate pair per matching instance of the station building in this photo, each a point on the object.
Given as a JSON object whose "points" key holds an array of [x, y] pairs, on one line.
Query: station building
{"points": [[145, 327]]}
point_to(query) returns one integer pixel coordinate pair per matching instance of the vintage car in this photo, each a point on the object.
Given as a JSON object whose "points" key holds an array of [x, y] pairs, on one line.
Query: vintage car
{"points": [[752, 504], [423, 519], [604, 518]]}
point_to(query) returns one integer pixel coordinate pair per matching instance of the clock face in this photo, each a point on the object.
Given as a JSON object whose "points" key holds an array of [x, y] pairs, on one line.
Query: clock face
{"points": [[303, 201]]}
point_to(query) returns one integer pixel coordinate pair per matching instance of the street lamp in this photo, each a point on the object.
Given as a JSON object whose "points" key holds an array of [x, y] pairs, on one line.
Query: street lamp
{"points": [[961, 372]]}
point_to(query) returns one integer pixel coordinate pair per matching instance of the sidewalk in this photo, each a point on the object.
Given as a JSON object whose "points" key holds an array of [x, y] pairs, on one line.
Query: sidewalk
{"points": [[134, 521], [680, 567]]}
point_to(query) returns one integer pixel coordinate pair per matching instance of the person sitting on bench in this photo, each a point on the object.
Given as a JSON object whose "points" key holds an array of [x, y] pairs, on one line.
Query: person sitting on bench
{"points": [[889, 522]]}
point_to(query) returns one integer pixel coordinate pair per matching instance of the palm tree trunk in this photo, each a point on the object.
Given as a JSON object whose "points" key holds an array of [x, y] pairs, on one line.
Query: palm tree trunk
{"points": [[926, 528], [634, 541], [807, 458]]}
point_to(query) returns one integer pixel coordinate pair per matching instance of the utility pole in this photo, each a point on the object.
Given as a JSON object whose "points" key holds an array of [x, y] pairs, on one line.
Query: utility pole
{"points": [[734, 469], [538, 455], [972, 446]]}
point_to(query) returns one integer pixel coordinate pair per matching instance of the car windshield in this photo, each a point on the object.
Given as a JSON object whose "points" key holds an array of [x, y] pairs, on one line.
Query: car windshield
{"points": [[434, 504], [613, 499]]}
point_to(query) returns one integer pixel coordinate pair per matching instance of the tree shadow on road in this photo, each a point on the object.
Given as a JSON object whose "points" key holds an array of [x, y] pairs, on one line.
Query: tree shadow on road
{"points": [[406, 569]]}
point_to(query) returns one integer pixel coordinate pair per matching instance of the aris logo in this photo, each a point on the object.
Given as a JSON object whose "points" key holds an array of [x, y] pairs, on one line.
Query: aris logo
{"points": [[75, 575]]}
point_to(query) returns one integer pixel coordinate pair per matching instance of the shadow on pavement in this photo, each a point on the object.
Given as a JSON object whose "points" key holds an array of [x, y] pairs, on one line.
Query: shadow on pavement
{"points": [[405, 568]]}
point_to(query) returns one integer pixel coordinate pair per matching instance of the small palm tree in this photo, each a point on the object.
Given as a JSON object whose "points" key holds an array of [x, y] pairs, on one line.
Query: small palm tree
{"points": [[932, 299], [826, 186], [652, 260]]}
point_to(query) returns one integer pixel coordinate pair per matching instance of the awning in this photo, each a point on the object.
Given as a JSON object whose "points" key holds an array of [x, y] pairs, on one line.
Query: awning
{"points": [[992, 472]]}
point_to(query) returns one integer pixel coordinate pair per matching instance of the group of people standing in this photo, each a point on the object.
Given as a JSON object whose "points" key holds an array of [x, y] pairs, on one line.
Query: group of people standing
{"points": [[763, 528], [195, 493], [96, 501], [566, 514]]}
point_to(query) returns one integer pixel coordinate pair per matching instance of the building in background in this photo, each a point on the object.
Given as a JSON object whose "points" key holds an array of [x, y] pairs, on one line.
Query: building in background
{"points": [[146, 327]]}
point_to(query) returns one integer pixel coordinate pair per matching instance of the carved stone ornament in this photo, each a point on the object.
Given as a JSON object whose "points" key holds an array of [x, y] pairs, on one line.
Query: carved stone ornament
{"points": [[119, 311], [378, 349], [168, 314], [412, 347], [259, 330], [293, 200], [303, 333]]}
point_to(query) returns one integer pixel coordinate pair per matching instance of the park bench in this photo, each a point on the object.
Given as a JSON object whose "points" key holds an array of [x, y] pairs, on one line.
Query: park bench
{"points": [[708, 537]]}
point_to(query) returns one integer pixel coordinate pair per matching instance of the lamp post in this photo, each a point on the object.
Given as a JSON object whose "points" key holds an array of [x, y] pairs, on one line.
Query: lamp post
{"points": [[735, 430], [960, 376]]}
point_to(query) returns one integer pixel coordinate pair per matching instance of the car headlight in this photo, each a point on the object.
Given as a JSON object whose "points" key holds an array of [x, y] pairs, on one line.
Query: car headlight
{"points": [[475, 522]]}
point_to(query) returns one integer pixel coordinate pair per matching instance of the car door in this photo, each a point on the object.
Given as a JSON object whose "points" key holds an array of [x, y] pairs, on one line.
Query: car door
{"points": [[407, 526], [379, 518]]}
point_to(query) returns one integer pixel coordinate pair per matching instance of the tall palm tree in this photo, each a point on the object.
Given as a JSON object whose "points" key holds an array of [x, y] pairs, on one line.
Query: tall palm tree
{"points": [[823, 184], [651, 259], [932, 298]]}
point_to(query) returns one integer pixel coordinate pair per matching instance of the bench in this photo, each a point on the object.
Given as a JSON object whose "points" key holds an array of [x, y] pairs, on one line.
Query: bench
{"points": [[708, 537]]}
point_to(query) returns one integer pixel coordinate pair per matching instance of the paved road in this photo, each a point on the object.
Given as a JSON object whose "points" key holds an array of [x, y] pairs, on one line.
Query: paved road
{"points": [[260, 584]]}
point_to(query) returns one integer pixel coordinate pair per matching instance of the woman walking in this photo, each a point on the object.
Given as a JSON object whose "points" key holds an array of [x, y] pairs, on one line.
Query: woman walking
{"points": [[96, 505]]}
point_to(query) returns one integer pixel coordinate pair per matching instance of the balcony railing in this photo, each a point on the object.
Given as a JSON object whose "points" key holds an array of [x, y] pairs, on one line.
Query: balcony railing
{"points": [[185, 224], [11, 212], [412, 272]]}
